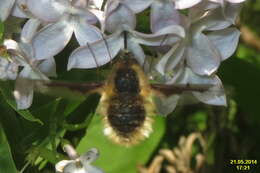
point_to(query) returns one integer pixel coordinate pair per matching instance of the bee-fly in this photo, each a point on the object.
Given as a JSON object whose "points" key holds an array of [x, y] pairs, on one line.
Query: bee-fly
{"points": [[126, 103], [127, 100]]}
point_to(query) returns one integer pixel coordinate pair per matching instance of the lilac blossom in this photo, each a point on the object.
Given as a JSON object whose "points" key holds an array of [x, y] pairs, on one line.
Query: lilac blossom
{"points": [[196, 43], [195, 59], [64, 18], [8, 63], [121, 22], [139, 5], [78, 164], [33, 69], [202, 52], [231, 1], [17, 8], [214, 96]]}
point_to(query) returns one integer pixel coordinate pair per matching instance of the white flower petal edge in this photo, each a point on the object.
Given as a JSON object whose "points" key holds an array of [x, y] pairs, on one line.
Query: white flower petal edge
{"points": [[183, 4], [86, 33], [202, 56], [23, 92], [47, 10], [137, 5], [29, 30], [50, 40], [225, 40], [120, 18], [163, 14], [96, 54], [5, 8]]}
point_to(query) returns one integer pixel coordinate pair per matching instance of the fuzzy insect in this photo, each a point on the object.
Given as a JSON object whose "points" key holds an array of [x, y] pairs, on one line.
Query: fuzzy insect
{"points": [[127, 100]]}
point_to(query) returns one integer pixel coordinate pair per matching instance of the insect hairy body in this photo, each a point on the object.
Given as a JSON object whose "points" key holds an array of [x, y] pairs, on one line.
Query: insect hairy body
{"points": [[126, 104]]}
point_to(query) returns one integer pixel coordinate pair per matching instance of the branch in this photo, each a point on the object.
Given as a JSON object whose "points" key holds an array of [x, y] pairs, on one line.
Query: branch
{"points": [[249, 37]]}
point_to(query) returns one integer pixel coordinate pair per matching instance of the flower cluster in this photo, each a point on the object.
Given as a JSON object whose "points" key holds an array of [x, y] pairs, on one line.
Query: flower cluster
{"points": [[78, 164], [192, 38]]}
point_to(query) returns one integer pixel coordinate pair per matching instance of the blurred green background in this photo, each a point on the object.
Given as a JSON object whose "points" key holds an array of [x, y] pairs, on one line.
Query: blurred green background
{"points": [[31, 140]]}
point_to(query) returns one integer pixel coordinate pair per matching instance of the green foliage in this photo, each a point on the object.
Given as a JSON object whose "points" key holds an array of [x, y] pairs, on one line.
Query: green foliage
{"points": [[115, 158], [250, 15], [1, 31], [6, 159], [6, 91]]}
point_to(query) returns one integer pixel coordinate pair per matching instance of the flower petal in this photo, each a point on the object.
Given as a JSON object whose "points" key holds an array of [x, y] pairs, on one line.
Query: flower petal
{"points": [[137, 5], [214, 20], [101, 18], [166, 36], [202, 56], [163, 14], [215, 95], [137, 50], [5, 8], [50, 40], [27, 52], [18, 9], [166, 105], [175, 57], [79, 3], [89, 156], [23, 92], [47, 10], [103, 50], [225, 40], [29, 30], [160, 66], [48, 67], [11, 44], [120, 18], [8, 70], [73, 167], [236, 1], [179, 75], [86, 33], [85, 15], [98, 3], [231, 11], [92, 169], [218, 1], [59, 167], [183, 4], [196, 12]]}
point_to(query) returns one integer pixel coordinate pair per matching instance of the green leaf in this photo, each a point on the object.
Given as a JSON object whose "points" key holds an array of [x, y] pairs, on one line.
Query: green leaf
{"points": [[244, 78], [198, 121], [6, 160], [6, 91], [71, 106], [115, 158], [1, 31]]}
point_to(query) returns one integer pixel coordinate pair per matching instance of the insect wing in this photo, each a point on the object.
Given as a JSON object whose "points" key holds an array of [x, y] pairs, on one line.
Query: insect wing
{"points": [[168, 90], [166, 97], [67, 89]]}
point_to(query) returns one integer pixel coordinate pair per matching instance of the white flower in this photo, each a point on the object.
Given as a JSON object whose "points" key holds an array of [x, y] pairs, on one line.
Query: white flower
{"points": [[78, 164], [202, 52], [33, 69], [8, 63], [65, 17], [139, 5], [121, 22], [17, 8]]}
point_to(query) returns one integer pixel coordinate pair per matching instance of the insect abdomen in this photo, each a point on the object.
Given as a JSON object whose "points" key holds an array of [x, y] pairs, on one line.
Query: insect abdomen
{"points": [[125, 114]]}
